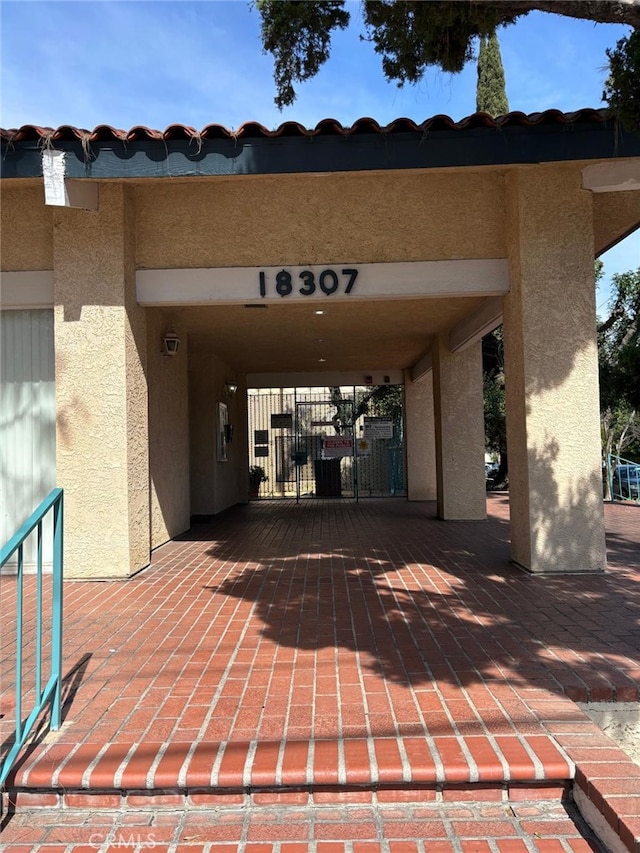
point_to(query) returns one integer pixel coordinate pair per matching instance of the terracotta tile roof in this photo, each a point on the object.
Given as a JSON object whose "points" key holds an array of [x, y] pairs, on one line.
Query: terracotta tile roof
{"points": [[326, 127], [438, 142]]}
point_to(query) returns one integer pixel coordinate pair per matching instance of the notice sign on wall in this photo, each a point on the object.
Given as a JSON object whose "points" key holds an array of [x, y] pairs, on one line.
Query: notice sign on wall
{"points": [[336, 446], [282, 421], [378, 428]]}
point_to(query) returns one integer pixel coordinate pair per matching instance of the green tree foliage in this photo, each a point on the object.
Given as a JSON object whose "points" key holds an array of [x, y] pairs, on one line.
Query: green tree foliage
{"points": [[298, 35], [619, 342], [413, 35], [494, 414], [387, 401], [622, 89], [619, 364], [379, 400], [495, 422], [491, 95]]}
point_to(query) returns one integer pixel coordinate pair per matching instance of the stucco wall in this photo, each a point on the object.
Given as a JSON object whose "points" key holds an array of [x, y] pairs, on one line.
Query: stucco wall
{"points": [[551, 370], [420, 439], [459, 431], [318, 219], [215, 485], [26, 225], [168, 430], [101, 397], [614, 214]]}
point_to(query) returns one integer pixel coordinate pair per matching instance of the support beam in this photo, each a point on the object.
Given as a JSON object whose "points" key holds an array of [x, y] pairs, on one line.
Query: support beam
{"points": [[422, 367], [467, 332], [474, 327], [612, 177], [348, 282], [25, 290], [325, 378]]}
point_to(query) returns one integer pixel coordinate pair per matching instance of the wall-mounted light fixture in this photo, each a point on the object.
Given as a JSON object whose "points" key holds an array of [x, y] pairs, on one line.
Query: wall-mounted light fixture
{"points": [[230, 388], [170, 344]]}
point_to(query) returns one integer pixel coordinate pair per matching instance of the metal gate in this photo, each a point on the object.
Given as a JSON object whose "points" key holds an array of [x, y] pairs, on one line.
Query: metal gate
{"points": [[334, 442]]}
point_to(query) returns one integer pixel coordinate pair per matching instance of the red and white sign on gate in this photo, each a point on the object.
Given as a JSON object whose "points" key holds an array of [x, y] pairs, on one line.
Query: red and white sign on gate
{"points": [[336, 446]]}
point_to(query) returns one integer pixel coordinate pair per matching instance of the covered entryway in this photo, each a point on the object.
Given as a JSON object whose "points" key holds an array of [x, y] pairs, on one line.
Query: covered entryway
{"points": [[311, 362], [318, 258]]}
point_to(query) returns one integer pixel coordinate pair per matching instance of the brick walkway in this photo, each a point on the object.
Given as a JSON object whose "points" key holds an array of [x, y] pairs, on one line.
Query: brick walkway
{"points": [[549, 827], [331, 665]]}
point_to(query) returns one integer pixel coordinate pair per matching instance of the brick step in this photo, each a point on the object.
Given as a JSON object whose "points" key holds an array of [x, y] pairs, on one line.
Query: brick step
{"points": [[441, 767], [504, 770]]}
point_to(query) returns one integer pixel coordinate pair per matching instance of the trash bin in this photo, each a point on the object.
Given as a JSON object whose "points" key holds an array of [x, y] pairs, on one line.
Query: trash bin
{"points": [[328, 479]]}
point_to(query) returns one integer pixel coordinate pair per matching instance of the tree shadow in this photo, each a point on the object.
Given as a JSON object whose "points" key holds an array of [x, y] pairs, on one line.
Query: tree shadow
{"points": [[422, 601], [623, 547], [71, 683]]}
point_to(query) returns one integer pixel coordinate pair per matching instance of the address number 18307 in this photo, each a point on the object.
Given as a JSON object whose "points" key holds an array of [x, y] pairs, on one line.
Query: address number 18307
{"points": [[306, 283]]}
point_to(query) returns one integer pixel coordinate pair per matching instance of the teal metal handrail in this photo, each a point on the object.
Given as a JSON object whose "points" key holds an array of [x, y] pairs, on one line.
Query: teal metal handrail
{"points": [[52, 691], [624, 478]]}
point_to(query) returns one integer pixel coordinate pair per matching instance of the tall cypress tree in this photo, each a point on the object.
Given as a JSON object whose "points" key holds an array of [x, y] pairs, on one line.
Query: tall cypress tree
{"points": [[491, 98], [491, 95]]}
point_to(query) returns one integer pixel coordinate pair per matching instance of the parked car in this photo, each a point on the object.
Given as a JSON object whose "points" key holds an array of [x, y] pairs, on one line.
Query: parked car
{"points": [[490, 469], [626, 481]]}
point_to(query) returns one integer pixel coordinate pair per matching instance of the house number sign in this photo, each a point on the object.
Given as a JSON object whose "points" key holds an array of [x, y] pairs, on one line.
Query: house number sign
{"points": [[308, 283]]}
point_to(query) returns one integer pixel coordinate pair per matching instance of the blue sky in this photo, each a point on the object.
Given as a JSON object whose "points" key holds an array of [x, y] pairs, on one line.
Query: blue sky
{"points": [[158, 63]]}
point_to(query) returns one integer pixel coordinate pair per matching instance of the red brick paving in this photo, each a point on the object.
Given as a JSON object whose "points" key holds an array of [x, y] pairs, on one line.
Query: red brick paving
{"points": [[340, 644], [381, 828]]}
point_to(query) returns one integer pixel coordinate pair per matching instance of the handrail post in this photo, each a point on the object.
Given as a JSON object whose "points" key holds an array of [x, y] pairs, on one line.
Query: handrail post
{"points": [[52, 692], [19, 644], [39, 613], [610, 475], [56, 620]]}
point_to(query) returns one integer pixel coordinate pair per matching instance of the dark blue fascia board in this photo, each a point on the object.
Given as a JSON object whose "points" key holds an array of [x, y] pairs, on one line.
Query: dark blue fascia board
{"points": [[329, 153]]}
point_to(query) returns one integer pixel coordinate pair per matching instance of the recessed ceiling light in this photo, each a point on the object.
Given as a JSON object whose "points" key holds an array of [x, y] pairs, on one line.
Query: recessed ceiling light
{"points": [[322, 359], [319, 311], [319, 340]]}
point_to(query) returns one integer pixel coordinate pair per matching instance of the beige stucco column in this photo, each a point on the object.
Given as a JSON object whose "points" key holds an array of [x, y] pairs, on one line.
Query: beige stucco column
{"points": [[168, 388], [551, 374], [459, 430], [420, 438], [101, 389]]}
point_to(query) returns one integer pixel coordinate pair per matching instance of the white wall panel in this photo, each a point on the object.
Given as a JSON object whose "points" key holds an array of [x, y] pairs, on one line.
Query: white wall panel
{"points": [[27, 419]]}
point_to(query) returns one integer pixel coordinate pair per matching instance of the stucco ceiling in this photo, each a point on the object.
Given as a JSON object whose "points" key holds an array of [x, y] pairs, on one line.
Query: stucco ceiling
{"points": [[381, 334]]}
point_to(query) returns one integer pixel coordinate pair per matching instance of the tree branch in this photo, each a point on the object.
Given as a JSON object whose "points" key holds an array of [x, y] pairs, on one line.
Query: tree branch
{"points": [[601, 11]]}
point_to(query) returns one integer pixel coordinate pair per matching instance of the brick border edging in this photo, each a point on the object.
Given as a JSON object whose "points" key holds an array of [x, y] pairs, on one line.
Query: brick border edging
{"points": [[606, 786], [617, 827], [611, 803], [557, 790]]}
